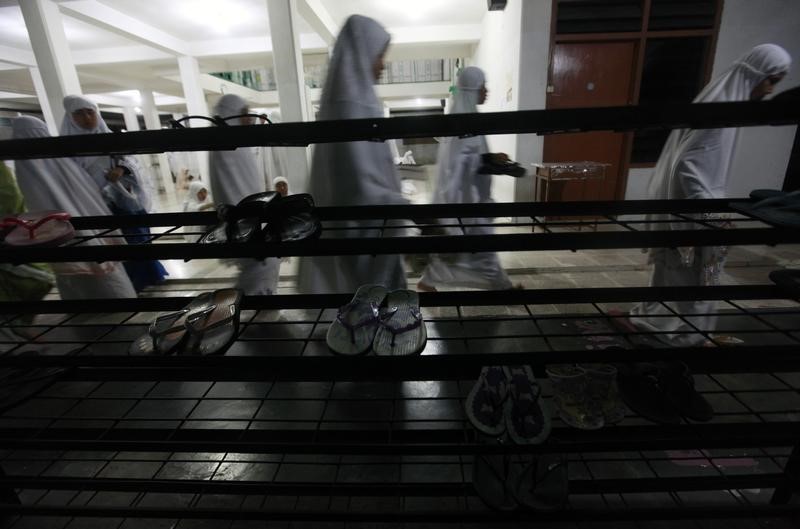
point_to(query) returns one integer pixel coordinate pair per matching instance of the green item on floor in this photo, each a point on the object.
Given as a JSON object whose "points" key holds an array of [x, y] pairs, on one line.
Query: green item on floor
{"points": [[24, 282]]}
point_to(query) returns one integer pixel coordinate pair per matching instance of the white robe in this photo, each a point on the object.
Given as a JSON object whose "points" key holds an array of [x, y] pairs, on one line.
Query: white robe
{"points": [[233, 175], [694, 164], [61, 184], [98, 166], [273, 161], [359, 173], [458, 182]]}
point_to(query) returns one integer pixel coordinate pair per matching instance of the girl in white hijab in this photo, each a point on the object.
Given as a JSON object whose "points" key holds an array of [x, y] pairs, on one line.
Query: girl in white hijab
{"points": [[61, 184], [234, 175], [694, 164], [197, 199], [83, 117], [460, 183], [358, 173], [121, 180], [281, 185]]}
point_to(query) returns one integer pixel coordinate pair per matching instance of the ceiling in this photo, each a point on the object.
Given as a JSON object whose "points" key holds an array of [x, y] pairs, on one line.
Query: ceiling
{"points": [[414, 13], [118, 45]]}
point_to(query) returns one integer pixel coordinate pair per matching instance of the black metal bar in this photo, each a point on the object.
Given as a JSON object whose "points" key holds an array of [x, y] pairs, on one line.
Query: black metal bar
{"points": [[779, 358], [367, 441], [666, 116], [500, 209], [409, 245], [7, 493], [409, 516], [427, 299], [187, 486], [784, 493]]}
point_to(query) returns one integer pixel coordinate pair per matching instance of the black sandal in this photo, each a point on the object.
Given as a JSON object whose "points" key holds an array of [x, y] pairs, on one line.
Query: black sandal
{"points": [[544, 484], [212, 330]]}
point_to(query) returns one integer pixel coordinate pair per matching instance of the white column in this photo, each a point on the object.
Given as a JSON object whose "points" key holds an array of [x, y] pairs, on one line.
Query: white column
{"points": [[152, 122], [532, 89], [53, 58], [192, 89], [288, 61], [196, 104], [131, 119], [149, 110], [44, 103]]}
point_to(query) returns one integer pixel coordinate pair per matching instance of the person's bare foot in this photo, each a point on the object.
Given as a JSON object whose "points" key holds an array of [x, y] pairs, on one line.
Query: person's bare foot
{"points": [[723, 340], [424, 287]]}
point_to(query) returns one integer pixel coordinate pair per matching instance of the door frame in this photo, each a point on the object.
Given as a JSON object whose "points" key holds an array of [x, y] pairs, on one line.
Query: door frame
{"points": [[640, 38]]}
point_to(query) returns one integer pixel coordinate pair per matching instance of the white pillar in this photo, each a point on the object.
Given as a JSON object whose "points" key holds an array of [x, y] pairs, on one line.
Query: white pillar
{"points": [[152, 122], [196, 104], [532, 89], [192, 89], [149, 110], [288, 62], [131, 119], [53, 58], [44, 103]]}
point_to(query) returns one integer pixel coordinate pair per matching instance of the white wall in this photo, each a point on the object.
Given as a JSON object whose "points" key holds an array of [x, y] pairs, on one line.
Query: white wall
{"points": [[637, 184], [533, 67], [498, 55], [762, 153]]}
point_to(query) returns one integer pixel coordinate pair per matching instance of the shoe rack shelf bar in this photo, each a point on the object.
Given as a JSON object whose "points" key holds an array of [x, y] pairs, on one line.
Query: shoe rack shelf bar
{"points": [[616, 231], [670, 116]]}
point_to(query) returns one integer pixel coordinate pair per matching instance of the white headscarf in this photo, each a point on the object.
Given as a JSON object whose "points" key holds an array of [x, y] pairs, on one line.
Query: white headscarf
{"points": [[59, 184], [459, 158], [353, 173], [233, 174], [54, 183], [191, 203], [468, 90], [98, 166], [348, 91], [695, 163], [230, 105], [73, 104], [278, 179], [357, 172]]}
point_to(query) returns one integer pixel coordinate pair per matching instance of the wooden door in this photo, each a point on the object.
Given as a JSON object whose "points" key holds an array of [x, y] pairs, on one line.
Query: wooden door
{"points": [[590, 74]]}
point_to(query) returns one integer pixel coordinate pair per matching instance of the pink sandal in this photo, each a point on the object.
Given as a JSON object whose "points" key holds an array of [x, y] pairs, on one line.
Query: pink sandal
{"points": [[40, 228], [621, 321]]}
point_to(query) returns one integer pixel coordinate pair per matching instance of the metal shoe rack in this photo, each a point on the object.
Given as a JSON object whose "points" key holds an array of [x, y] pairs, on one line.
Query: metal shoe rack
{"points": [[278, 432]]}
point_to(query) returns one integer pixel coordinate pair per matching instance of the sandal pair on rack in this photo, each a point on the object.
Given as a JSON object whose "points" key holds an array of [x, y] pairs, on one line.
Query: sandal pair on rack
{"points": [[505, 485], [390, 323], [663, 392], [206, 326], [266, 216], [507, 399], [37, 228], [586, 396]]}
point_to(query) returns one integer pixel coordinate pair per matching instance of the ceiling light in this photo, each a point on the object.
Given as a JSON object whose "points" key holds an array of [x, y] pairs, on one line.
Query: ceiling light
{"points": [[413, 9], [219, 17]]}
